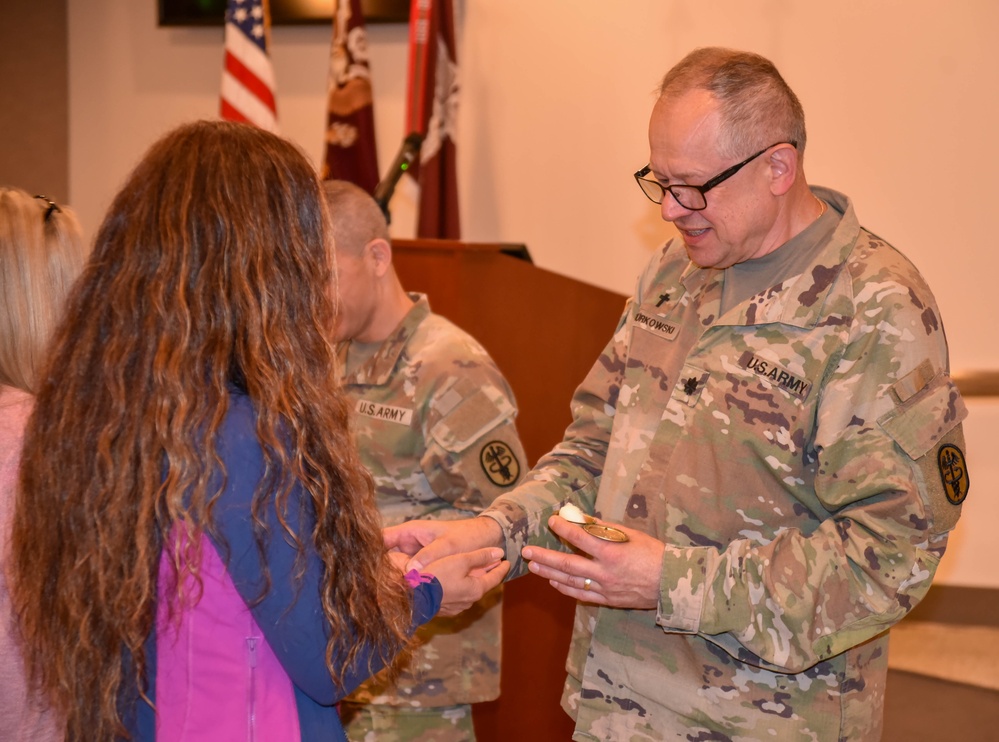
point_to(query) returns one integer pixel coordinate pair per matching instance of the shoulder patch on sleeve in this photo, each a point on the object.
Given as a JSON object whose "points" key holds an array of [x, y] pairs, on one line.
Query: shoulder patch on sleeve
{"points": [[500, 463], [945, 481], [926, 424], [953, 473]]}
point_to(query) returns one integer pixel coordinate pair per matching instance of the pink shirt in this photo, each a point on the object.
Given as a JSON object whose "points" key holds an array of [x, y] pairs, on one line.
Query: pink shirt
{"points": [[21, 718], [217, 678]]}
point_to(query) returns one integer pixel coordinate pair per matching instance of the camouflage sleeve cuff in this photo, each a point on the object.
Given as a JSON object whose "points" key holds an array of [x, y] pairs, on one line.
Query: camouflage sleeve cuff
{"points": [[505, 515], [523, 515], [682, 588]]}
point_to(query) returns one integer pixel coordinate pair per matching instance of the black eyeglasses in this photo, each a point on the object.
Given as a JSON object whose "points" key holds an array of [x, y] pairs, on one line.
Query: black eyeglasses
{"points": [[690, 196], [52, 206]]}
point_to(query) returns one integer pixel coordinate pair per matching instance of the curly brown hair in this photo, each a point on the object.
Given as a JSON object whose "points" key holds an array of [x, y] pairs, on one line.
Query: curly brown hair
{"points": [[213, 265]]}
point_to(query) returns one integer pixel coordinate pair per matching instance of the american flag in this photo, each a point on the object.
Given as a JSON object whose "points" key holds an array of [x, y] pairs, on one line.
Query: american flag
{"points": [[247, 74]]}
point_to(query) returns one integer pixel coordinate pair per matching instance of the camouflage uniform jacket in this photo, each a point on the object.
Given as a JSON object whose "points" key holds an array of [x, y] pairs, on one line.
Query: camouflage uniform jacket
{"points": [[434, 422], [800, 456]]}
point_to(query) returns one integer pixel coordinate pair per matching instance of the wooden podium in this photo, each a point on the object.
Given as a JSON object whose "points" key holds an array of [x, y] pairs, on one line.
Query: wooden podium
{"points": [[544, 331]]}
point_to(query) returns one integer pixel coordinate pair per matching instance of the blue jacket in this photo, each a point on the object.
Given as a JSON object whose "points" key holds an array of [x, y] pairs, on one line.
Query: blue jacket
{"points": [[238, 661]]}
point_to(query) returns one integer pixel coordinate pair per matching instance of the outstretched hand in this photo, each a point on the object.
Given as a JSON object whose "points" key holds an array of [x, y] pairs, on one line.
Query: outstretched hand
{"points": [[427, 541], [467, 577], [621, 575]]}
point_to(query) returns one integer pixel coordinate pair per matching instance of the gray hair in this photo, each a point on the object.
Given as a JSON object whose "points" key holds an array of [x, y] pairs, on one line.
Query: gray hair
{"points": [[757, 106]]}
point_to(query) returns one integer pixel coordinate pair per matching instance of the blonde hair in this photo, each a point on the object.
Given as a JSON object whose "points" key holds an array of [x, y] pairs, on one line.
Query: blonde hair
{"points": [[41, 254]]}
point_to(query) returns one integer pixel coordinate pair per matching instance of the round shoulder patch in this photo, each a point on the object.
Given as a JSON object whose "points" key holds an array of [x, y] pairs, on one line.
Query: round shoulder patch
{"points": [[499, 463], [953, 473]]}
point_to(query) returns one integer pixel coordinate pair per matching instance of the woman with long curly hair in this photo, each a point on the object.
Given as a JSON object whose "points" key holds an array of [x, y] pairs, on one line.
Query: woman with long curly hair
{"points": [[196, 548], [41, 254]]}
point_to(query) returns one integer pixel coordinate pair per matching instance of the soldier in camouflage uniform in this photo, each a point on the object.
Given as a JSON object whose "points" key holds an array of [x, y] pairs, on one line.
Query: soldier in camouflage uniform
{"points": [[774, 428], [434, 422]]}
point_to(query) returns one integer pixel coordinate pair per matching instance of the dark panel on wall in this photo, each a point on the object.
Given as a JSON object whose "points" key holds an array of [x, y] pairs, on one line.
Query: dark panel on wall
{"points": [[211, 12], [34, 97]]}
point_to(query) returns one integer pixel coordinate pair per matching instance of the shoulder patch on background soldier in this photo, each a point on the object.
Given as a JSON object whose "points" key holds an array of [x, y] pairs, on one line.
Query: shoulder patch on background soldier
{"points": [[953, 473], [499, 463]]}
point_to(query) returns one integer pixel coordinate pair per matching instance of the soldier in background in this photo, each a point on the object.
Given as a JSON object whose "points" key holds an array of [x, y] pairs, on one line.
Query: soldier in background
{"points": [[434, 423], [772, 427]]}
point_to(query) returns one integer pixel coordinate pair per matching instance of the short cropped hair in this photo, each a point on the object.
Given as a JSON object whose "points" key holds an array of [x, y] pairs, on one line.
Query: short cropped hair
{"points": [[357, 218], [758, 107], [41, 254]]}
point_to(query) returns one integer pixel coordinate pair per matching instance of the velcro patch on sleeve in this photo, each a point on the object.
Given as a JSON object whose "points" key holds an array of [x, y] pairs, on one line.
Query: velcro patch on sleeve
{"points": [[925, 417], [483, 409], [926, 425]]}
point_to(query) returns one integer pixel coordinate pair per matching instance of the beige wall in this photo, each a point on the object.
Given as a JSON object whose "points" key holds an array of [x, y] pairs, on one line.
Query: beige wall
{"points": [[34, 101], [900, 98]]}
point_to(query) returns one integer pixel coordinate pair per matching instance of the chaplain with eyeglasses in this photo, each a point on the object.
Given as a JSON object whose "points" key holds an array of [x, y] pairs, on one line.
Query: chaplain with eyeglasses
{"points": [[772, 427]]}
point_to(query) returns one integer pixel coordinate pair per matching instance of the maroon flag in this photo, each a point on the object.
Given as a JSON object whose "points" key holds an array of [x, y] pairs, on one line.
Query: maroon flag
{"points": [[350, 121], [247, 74], [432, 110]]}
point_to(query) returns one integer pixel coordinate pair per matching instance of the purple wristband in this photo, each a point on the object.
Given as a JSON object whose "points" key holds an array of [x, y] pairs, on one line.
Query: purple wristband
{"points": [[414, 578]]}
